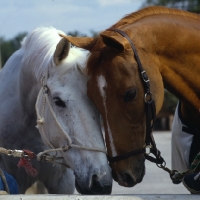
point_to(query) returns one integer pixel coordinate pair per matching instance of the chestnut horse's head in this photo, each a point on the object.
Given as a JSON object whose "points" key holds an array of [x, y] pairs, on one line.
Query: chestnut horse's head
{"points": [[117, 89]]}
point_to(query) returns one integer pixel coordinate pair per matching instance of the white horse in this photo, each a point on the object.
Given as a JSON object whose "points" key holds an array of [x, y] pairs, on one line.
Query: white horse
{"points": [[67, 119]]}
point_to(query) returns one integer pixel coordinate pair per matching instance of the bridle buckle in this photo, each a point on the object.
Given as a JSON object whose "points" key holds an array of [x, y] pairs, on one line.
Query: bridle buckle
{"points": [[148, 147], [144, 76]]}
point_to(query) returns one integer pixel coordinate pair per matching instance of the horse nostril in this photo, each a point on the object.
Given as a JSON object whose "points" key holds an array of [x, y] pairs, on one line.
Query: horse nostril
{"points": [[99, 186], [95, 184], [129, 180], [95, 180]]}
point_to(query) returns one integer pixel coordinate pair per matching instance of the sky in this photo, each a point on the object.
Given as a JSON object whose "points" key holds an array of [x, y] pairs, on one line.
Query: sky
{"points": [[85, 16]]}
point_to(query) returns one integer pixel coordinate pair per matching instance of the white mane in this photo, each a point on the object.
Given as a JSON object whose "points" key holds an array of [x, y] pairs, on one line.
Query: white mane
{"points": [[39, 47]]}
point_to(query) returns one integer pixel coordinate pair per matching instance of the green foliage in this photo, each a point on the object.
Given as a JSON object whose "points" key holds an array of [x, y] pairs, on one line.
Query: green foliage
{"points": [[169, 104], [8, 47], [94, 34], [78, 34], [189, 5]]}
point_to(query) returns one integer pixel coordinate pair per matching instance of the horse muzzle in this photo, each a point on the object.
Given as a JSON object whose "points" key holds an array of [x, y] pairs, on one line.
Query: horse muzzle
{"points": [[130, 174], [98, 182]]}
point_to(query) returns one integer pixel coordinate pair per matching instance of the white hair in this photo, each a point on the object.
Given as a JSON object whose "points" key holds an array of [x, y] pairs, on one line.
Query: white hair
{"points": [[39, 47]]}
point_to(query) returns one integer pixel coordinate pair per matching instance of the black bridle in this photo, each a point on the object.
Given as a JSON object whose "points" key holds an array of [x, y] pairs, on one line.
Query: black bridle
{"points": [[150, 116]]}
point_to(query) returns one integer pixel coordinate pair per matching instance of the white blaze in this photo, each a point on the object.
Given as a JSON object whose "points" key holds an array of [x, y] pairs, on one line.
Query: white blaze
{"points": [[101, 81]]}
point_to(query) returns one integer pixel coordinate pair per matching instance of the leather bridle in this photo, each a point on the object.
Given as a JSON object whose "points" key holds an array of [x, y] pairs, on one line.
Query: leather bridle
{"points": [[150, 116]]}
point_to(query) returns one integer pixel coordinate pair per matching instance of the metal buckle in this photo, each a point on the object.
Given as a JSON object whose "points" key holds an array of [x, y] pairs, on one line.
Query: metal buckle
{"points": [[144, 76], [26, 157], [16, 153], [163, 165], [148, 147]]}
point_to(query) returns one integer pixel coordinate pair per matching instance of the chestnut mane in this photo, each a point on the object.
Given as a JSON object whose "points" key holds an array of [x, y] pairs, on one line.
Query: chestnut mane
{"points": [[93, 59], [152, 10]]}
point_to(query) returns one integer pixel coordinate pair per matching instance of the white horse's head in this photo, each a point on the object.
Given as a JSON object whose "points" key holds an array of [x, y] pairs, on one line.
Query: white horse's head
{"points": [[66, 117]]}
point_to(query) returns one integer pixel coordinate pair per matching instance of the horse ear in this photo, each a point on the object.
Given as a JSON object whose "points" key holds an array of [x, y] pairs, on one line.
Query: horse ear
{"points": [[61, 52], [82, 42], [114, 41]]}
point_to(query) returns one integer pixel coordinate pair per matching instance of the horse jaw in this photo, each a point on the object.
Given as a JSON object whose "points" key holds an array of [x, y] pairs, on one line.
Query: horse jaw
{"points": [[80, 121]]}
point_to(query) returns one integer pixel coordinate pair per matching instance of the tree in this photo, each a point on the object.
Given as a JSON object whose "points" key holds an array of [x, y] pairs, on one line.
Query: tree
{"points": [[170, 102], [189, 5], [8, 47], [78, 34]]}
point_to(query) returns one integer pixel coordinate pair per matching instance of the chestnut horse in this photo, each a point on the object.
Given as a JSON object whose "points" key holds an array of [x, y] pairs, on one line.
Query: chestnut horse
{"points": [[163, 42]]}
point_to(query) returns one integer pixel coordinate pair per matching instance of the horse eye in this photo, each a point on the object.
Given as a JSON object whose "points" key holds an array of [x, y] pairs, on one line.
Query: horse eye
{"points": [[59, 102], [129, 95]]}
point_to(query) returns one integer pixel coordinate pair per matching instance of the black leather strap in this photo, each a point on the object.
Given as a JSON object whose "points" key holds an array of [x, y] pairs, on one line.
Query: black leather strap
{"points": [[158, 158], [150, 114], [143, 73], [126, 155]]}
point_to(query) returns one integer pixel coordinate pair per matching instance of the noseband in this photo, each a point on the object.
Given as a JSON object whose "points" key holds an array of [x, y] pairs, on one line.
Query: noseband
{"points": [[150, 115]]}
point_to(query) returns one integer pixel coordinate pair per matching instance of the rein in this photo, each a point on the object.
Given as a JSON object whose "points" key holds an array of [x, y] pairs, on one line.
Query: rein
{"points": [[40, 122], [150, 116]]}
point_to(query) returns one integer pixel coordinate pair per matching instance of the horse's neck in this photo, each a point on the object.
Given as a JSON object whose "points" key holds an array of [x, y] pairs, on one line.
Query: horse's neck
{"points": [[28, 87], [183, 79], [173, 43]]}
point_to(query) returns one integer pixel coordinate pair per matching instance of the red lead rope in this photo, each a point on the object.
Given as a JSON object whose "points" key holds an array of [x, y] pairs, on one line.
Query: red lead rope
{"points": [[26, 163]]}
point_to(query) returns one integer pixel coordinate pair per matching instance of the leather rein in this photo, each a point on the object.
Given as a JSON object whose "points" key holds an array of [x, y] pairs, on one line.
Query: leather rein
{"points": [[150, 116]]}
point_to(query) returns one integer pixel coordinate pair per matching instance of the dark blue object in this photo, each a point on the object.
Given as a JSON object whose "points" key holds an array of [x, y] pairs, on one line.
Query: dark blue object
{"points": [[192, 183], [12, 184]]}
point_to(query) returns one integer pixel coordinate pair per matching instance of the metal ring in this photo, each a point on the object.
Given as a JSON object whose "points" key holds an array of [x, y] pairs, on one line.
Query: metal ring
{"points": [[26, 157], [163, 165], [146, 95]]}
